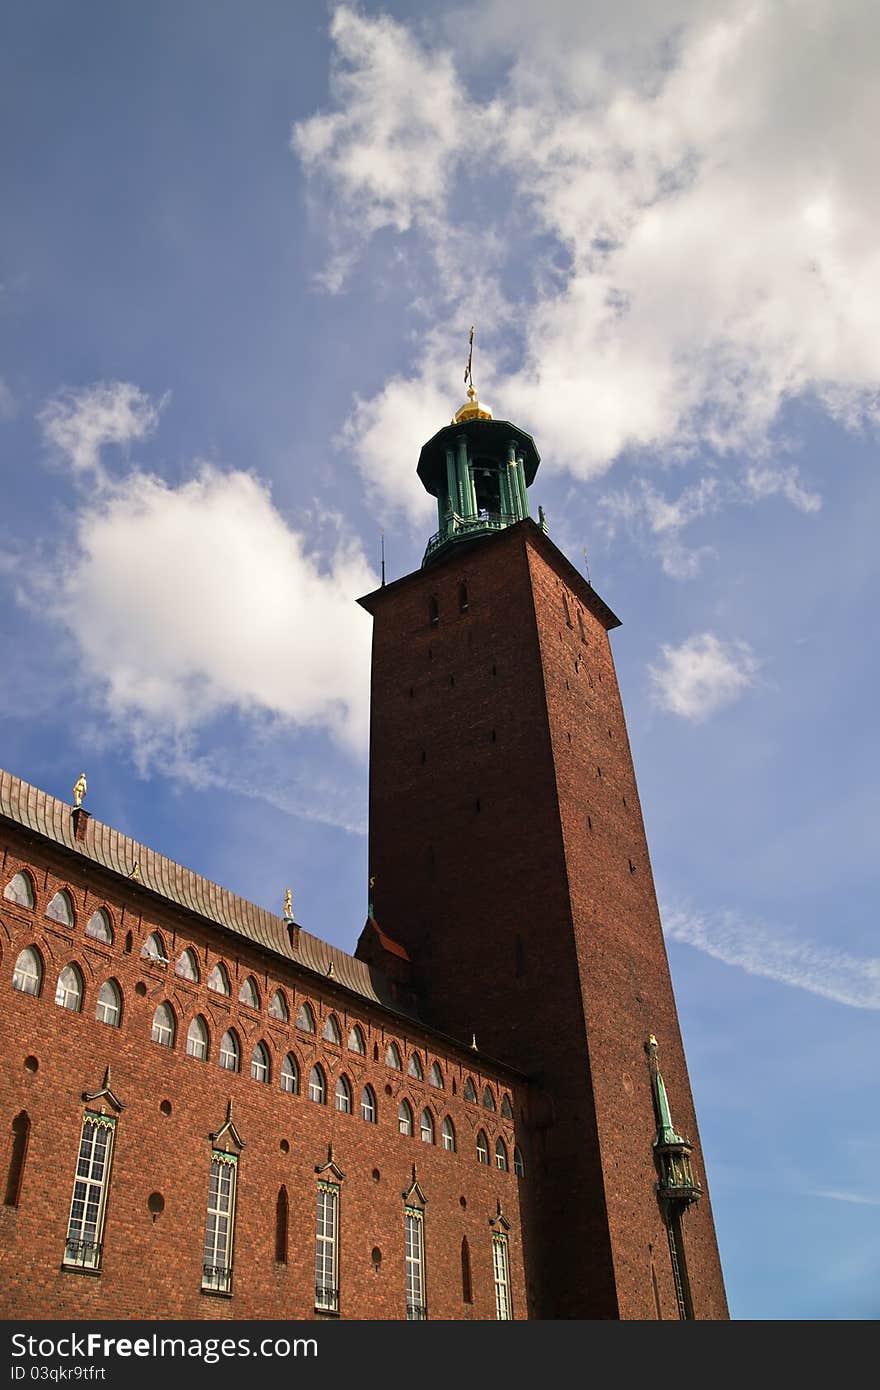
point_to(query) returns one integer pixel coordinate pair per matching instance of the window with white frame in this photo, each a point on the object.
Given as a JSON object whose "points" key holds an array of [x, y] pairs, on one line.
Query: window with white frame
{"points": [[197, 1038], [69, 989], [368, 1105], [154, 949], [218, 980], [98, 927], [260, 1064], [405, 1118], [60, 909], [392, 1056], [317, 1086], [501, 1269], [28, 973], [327, 1249], [278, 1007], [249, 994], [416, 1308], [305, 1019], [482, 1148], [331, 1031], [435, 1077], [19, 890], [356, 1041], [220, 1223], [426, 1125], [85, 1227], [109, 1005], [518, 1166], [187, 967], [163, 1029], [414, 1067], [229, 1051], [448, 1135], [343, 1095], [290, 1075], [501, 1155]]}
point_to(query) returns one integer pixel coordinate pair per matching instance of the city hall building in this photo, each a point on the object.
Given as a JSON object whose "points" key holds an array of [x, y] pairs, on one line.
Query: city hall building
{"points": [[484, 1111]]}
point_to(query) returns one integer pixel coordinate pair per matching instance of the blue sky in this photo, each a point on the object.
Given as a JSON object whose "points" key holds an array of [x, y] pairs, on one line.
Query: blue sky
{"points": [[241, 250]]}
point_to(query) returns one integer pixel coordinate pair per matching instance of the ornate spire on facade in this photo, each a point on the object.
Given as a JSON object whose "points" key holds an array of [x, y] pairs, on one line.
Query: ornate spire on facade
{"points": [[677, 1186]]}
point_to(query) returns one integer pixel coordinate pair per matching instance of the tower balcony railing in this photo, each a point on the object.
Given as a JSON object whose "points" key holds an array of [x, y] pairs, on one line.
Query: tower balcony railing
{"points": [[458, 527]]}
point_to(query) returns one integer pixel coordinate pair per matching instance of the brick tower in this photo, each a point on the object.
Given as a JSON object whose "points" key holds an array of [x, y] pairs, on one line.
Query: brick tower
{"points": [[509, 859]]}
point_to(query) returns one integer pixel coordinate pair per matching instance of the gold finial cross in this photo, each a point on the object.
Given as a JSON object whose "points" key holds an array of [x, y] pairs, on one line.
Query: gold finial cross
{"points": [[468, 371]]}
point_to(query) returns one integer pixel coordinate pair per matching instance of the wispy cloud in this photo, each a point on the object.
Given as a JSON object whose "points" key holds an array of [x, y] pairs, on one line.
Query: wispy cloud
{"points": [[856, 1198], [79, 424], [778, 954], [701, 675]]}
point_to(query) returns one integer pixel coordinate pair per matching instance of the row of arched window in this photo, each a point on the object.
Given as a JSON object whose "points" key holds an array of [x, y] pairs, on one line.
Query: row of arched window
{"points": [[20, 890]]}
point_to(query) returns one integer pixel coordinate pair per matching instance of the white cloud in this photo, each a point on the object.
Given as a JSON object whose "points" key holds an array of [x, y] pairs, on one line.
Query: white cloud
{"points": [[78, 424], [778, 955], [8, 403], [192, 602], [768, 481], [701, 675], [683, 228]]}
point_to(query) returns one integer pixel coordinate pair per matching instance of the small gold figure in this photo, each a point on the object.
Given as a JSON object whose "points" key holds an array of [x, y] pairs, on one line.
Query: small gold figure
{"points": [[135, 874], [474, 1047], [80, 788], [288, 905]]}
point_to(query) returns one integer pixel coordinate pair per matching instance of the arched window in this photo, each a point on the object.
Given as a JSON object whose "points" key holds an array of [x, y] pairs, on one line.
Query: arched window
{"points": [[260, 1064], [343, 1095], [27, 977], [317, 1086], [435, 1077], [69, 990], [392, 1057], [426, 1125], [154, 949], [331, 1033], [368, 1105], [305, 1019], [482, 1148], [488, 1099], [506, 1107], [98, 927], [197, 1038], [448, 1135], [290, 1075], [414, 1067], [278, 1007], [356, 1041], [21, 1131], [20, 890], [109, 1005], [405, 1117], [60, 909], [501, 1155], [249, 994], [470, 1091], [230, 1052], [282, 1210], [218, 980], [163, 1026], [186, 966], [518, 1165], [466, 1287]]}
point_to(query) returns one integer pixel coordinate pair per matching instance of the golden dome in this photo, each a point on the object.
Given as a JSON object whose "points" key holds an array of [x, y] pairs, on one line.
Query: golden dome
{"points": [[472, 409]]}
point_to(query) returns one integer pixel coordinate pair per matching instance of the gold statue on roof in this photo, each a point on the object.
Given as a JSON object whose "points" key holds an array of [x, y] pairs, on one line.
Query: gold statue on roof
{"points": [[80, 787], [288, 905]]}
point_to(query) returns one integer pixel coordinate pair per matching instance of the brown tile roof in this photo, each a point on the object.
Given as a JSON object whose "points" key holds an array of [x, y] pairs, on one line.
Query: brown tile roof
{"points": [[52, 819]]}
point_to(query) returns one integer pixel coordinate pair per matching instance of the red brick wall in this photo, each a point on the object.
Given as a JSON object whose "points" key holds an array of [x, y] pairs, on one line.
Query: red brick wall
{"points": [[153, 1268], [524, 924]]}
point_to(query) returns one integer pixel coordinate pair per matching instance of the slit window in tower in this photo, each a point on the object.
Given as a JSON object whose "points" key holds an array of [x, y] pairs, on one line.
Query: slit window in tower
{"points": [[433, 612], [462, 597]]}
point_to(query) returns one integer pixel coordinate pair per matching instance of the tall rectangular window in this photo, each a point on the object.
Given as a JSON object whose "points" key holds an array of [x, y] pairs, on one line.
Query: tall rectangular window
{"points": [[416, 1308], [85, 1229], [327, 1249], [501, 1268], [220, 1223]]}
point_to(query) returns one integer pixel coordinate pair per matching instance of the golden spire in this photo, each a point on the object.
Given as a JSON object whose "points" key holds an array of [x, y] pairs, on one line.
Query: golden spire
{"points": [[472, 408]]}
